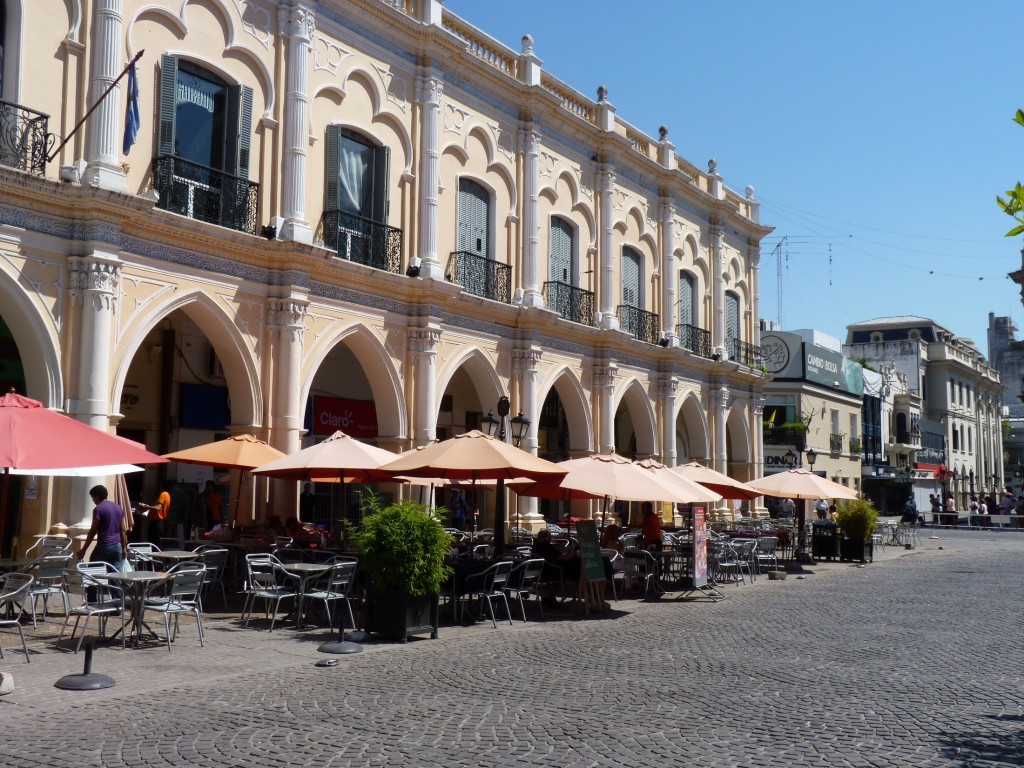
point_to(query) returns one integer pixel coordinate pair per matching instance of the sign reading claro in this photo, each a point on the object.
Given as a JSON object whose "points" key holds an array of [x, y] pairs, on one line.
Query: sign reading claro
{"points": [[816, 361]]}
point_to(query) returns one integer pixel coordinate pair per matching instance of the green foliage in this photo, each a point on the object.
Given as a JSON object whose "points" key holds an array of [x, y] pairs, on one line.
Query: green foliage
{"points": [[795, 426], [403, 547], [1013, 203], [857, 519]]}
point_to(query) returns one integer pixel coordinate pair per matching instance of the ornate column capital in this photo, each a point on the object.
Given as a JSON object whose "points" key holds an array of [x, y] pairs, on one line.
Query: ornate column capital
{"points": [[666, 386], [287, 316], [94, 281], [605, 177], [424, 341], [296, 22], [605, 373], [429, 89], [667, 210], [530, 139], [526, 360]]}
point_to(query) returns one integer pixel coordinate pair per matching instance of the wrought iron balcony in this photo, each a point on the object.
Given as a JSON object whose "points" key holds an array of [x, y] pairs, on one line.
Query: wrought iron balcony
{"points": [[743, 353], [641, 324], [835, 443], [206, 194], [363, 240], [695, 339], [24, 138], [480, 276], [795, 436], [855, 445], [572, 303]]}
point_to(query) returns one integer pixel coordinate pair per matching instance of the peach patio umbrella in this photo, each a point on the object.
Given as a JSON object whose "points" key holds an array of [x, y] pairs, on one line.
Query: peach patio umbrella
{"points": [[800, 484], [723, 485], [339, 457]]}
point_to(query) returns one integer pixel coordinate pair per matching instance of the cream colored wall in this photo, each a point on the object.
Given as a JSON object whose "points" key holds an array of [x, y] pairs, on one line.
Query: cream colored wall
{"points": [[561, 195]]}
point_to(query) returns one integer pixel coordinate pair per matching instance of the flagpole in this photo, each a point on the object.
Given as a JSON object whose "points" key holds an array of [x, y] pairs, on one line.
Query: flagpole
{"points": [[92, 109]]}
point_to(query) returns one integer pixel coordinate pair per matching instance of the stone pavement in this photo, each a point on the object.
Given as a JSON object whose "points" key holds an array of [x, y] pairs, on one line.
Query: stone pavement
{"points": [[914, 660]]}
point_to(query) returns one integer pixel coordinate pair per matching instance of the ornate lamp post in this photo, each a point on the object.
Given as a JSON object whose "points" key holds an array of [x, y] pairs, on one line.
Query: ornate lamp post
{"points": [[802, 555], [504, 428]]}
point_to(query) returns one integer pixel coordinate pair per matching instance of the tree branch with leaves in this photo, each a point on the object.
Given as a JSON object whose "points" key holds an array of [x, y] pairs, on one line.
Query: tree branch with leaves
{"points": [[1013, 203]]}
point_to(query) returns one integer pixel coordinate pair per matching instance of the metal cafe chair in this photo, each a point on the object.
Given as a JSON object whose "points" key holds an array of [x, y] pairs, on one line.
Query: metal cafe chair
{"points": [[489, 585], [14, 595]]}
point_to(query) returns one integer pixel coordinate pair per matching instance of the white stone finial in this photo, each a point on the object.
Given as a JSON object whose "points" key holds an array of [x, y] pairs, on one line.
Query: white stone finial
{"points": [[528, 44], [602, 93], [712, 165], [750, 192], [663, 133]]}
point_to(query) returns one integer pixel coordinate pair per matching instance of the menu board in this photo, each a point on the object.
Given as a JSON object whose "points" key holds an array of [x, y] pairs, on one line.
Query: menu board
{"points": [[591, 562], [700, 548]]}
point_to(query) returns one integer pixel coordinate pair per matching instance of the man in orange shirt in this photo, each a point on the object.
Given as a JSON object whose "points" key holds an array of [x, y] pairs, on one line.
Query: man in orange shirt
{"points": [[157, 515], [651, 528]]}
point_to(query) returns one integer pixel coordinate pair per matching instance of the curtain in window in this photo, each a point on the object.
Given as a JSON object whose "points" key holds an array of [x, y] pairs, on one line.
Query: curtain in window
{"points": [[354, 164]]}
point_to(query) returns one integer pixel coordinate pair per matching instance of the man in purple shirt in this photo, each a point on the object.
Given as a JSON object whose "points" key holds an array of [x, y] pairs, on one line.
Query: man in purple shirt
{"points": [[107, 528]]}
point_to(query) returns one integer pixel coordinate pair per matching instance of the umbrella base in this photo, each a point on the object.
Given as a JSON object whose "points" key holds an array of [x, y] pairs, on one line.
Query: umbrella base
{"points": [[340, 646], [88, 682]]}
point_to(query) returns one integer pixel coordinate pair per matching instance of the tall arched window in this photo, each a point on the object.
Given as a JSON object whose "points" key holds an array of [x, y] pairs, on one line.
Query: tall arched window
{"points": [[631, 273], [474, 234], [732, 316], [356, 175], [686, 299], [562, 255]]}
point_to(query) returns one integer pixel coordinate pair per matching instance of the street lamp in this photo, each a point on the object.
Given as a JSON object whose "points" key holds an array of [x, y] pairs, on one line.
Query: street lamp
{"points": [[503, 428], [801, 554]]}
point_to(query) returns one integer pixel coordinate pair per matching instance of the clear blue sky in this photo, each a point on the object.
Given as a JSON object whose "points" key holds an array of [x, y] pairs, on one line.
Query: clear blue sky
{"points": [[876, 133]]}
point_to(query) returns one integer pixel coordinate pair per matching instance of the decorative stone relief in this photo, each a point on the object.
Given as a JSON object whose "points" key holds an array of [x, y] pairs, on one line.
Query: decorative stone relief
{"points": [[526, 360], [505, 140], [296, 22], [455, 118], [95, 281], [248, 317], [256, 21], [327, 55], [584, 181], [395, 87], [619, 199], [136, 293], [287, 316], [546, 163], [42, 278]]}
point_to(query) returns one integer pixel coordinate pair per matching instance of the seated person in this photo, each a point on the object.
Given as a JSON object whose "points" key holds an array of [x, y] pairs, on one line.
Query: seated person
{"points": [[610, 538], [910, 513], [298, 533], [650, 531]]}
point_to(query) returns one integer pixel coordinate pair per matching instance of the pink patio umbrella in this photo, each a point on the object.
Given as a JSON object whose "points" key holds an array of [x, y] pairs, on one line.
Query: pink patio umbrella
{"points": [[35, 440]]}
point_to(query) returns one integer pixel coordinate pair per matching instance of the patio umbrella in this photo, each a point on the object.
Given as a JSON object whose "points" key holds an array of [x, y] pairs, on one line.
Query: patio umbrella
{"points": [[242, 452], [339, 457], [723, 485], [473, 456], [800, 484], [45, 442]]}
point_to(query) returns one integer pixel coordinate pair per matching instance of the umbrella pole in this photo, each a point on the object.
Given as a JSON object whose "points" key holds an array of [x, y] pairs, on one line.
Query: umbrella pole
{"points": [[3, 506], [499, 519]]}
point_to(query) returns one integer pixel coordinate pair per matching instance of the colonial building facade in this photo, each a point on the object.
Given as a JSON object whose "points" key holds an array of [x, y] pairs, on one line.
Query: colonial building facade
{"points": [[355, 214]]}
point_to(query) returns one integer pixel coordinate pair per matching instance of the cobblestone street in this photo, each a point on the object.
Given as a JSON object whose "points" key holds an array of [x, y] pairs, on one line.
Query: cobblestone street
{"points": [[914, 660]]}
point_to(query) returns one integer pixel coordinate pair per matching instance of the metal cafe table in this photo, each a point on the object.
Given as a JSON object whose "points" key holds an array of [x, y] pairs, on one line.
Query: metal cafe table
{"points": [[305, 574], [172, 557], [136, 585]]}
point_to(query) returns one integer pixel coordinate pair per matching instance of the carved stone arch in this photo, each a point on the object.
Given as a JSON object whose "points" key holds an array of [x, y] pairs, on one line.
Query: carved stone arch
{"points": [[505, 174], [694, 416], [403, 136], [37, 340], [241, 368], [651, 249], [633, 395], [485, 137], [738, 428], [575, 403], [378, 368], [457, 151], [369, 80], [488, 384]]}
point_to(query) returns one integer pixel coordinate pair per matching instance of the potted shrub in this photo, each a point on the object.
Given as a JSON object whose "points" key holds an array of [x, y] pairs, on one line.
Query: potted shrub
{"points": [[856, 519], [402, 549]]}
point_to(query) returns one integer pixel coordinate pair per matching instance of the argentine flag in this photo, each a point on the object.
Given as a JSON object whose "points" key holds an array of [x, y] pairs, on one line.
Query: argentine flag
{"points": [[131, 114]]}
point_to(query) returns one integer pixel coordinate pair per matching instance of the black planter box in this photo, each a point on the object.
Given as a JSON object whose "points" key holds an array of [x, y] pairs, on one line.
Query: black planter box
{"points": [[856, 551], [824, 542], [398, 615]]}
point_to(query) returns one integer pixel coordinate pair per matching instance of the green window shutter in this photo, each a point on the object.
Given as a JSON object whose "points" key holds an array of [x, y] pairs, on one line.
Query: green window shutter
{"points": [[238, 131], [381, 180], [685, 298], [732, 316], [631, 277], [560, 258], [168, 104], [332, 189], [474, 218]]}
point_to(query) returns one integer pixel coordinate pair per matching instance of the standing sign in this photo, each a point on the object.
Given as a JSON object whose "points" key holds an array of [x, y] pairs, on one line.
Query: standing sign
{"points": [[591, 586], [700, 548]]}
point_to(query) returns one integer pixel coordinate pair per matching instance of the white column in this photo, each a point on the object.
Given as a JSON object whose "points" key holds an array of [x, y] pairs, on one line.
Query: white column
{"points": [[718, 291], [286, 321], [526, 368], [754, 256], [719, 412], [94, 283], [604, 382], [297, 24], [606, 277], [667, 403], [105, 126], [423, 343], [668, 272], [531, 241], [757, 460], [428, 92]]}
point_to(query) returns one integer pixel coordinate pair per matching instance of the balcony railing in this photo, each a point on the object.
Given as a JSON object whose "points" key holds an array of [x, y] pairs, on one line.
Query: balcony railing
{"points": [[572, 303], [363, 240], [206, 194], [855, 445], [835, 443], [695, 339], [743, 353], [795, 436], [480, 276], [23, 138], [641, 324]]}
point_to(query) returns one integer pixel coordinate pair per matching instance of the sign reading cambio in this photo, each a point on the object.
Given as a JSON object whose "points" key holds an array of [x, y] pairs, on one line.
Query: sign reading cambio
{"points": [[356, 418]]}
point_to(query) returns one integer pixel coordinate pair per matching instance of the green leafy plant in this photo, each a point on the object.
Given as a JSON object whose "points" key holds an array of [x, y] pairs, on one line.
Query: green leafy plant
{"points": [[1013, 203], [403, 546], [857, 519]]}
